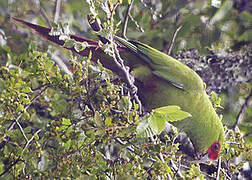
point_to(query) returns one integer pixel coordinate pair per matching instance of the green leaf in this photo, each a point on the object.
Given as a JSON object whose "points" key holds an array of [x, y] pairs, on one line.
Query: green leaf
{"points": [[67, 145], [49, 65], [143, 128], [171, 113], [216, 100], [1, 168], [125, 104], [98, 119], [69, 43], [26, 89], [108, 121], [80, 46], [66, 121], [157, 123], [178, 115], [167, 109]]}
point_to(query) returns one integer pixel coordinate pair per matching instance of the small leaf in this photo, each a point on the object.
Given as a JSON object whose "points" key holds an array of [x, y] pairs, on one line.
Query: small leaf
{"points": [[26, 89], [157, 123], [69, 43], [142, 126], [108, 121], [80, 46], [98, 119], [66, 121], [125, 104], [216, 100], [67, 145]]}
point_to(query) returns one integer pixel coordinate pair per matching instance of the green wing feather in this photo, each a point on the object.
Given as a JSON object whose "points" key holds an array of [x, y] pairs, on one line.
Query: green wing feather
{"points": [[170, 82]]}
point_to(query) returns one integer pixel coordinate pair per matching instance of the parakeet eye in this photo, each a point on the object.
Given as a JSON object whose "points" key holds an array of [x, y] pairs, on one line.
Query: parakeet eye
{"points": [[215, 147]]}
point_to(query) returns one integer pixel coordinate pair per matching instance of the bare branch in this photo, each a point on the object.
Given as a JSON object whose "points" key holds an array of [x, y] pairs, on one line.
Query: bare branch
{"points": [[126, 18], [57, 10], [176, 169], [247, 135], [29, 141], [242, 111], [22, 131], [173, 40], [219, 168], [136, 23], [127, 76]]}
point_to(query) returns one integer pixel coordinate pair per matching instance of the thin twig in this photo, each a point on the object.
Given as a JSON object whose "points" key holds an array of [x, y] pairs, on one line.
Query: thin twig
{"points": [[29, 141], [247, 135], [242, 111], [219, 168], [176, 169], [236, 143], [225, 174], [136, 23], [173, 40], [24, 168], [15, 162], [184, 167], [167, 15], [123, 144], [119, 61], [22, 131], [126, 18], [57, 11]]}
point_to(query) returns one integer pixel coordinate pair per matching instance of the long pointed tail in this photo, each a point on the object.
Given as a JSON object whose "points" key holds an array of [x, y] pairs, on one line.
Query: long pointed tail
{"points": [[97, 52], [44, 31]]}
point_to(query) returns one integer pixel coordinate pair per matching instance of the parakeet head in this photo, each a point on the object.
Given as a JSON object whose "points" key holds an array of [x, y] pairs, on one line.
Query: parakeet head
{"points": [[211, 154], [213, 150]]}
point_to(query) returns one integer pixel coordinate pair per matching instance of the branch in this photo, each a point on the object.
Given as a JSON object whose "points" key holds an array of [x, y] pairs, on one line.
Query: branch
{"points": [[57, 11], [126, 18], [22, 131], [29, 141], [247, 135], [219, 168], [136, 23], [173, 40], [13, 164], [176, 169], [242, 111], [127, 76], [95, 25]]}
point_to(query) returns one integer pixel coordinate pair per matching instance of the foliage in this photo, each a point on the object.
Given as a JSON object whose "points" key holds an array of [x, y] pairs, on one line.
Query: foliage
{"points": [[85, 124], [158, 117]]}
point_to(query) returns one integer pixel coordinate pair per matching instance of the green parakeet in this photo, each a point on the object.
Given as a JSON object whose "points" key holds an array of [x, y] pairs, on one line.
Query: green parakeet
{"points": [[161, 81]]}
